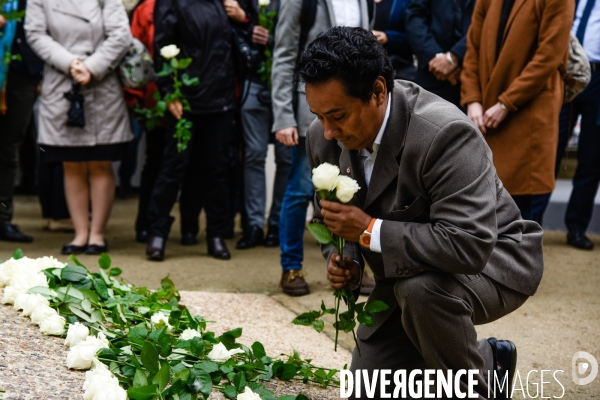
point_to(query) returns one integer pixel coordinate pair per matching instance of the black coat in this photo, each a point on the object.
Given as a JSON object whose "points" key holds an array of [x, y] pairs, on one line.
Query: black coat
{"points": [[201, 29], [437, 26], [30, 66]]}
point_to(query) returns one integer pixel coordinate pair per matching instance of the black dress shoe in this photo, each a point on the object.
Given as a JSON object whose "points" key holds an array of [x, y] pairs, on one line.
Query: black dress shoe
{"points": [[579, 240], [142, 236], [252, 238], [218, 249], [188, 239], [69, 249], [156, 248], [505, 365], [96, 249], [272, 238], [11, 233]]}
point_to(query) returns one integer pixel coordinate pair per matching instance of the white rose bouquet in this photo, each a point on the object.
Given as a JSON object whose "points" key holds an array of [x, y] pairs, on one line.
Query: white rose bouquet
{"points": [[332, 186]]}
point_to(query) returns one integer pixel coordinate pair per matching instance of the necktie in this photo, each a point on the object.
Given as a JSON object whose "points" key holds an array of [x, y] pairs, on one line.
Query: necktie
{"points": [[584, 20]]}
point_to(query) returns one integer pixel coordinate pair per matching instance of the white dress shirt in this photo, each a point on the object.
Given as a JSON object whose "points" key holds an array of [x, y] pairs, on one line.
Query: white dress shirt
{"points": [[591, 39], [368, 164], [346, 12]]}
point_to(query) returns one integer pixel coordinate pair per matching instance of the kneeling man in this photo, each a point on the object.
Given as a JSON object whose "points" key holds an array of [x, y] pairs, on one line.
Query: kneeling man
{"points": [[444, 238]]}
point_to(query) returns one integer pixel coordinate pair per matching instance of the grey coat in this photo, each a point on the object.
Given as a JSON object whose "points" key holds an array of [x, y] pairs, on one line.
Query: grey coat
{"points": [[443, 206], [285, 54], [62, 30]]}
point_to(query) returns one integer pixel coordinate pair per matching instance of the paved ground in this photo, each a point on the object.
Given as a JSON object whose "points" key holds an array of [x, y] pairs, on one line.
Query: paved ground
{"points": [[563, 318]]}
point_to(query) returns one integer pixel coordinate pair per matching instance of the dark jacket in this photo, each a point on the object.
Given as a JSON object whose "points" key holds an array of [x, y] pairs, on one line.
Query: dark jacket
{"points": [[397, 45], [30, 66], [202, 31], [437, 26]]}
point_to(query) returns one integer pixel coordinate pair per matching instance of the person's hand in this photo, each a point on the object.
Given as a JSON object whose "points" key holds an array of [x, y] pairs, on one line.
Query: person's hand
{"points": [[338, 277], [79, 72], [475, 114], [287, 136], [234, 11], [3, 22], [38, 89], [454, 77], [381, 37], [176, 108], [494, 116], [346, 221], [441, 67], [260, 35]]}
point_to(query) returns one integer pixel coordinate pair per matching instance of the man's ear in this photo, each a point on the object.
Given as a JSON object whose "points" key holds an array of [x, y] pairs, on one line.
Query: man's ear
{"points": [[380, 90]]}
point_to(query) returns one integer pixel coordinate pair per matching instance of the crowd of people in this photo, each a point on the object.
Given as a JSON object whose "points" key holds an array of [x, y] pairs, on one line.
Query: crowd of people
{"points": [[502, 62]]}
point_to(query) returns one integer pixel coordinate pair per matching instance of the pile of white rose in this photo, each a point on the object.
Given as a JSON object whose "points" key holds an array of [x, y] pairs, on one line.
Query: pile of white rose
{"points": [[18, 276]]}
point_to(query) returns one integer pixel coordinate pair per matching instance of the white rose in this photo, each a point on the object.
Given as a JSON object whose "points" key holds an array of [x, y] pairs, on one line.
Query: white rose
{"points": [[82, 355], [11, 293], [346, 188], [20, 301], [28, 279], [248, 395], [100, 384], [189, 334], [54, 325], [219, 353], [325, 176], [32, 302], [12, 268], [264, 3], [7, 269], [49, 262], [169, 51], [76, 333], [160, 316], [42, 312]]}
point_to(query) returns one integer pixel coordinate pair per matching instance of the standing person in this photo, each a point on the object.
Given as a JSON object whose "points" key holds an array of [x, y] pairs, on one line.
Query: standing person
{"points": [[201, 30], [431, 217], [389, 27], [21, 82], [292, 120], [437, 32], [587, 105], [82, 44], [257, 117], [513, 91]]}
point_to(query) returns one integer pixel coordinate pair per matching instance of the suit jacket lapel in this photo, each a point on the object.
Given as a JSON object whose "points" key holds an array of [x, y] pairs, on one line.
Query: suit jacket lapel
{"points": [[350, 165], [385, 170]]}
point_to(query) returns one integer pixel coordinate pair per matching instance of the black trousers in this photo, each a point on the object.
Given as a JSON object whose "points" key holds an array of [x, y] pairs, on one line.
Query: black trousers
{"points": [[206, 158], [20, 96]]}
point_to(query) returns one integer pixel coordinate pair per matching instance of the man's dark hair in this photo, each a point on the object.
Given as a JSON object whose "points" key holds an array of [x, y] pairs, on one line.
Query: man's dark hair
{"points": [[351, 54]]}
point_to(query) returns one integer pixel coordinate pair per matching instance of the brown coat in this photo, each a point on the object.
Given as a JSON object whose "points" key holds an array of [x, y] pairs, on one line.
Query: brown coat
{"points": [[525, 78]]}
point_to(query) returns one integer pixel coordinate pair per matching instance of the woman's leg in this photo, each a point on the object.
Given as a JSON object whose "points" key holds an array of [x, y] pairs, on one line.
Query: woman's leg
{"points": [[77, 192], [102, 193]]}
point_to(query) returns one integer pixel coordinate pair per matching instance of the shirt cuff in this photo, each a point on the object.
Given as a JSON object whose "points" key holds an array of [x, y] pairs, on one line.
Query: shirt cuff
{"points": [[375, 237]]}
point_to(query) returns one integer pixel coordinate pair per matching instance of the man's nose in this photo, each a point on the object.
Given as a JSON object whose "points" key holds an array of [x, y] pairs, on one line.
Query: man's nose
{"points": [[329, 131]]}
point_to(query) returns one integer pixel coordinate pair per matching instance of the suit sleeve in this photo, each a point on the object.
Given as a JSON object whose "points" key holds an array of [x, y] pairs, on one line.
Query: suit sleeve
{"points": [[108, 55], [48, 49], [469, 78], [553, 43], [285, 54], [458, 175], [418, 18]]}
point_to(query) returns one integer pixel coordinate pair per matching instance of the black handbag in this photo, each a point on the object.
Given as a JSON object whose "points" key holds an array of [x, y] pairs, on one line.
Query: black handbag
{"points": [[75, 115]]}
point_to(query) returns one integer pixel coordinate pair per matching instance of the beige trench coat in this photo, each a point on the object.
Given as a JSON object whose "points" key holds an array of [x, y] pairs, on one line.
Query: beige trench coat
{"points": [[97, 33]]}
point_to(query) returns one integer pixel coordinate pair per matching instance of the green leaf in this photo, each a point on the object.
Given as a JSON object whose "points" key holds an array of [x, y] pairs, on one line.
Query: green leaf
{"points": [[302, 397], [70, 294], [128, 371], [90, 295], [286, 372], [87, 306], [174, 63], [239, 381], [149, 358], [207, 366], [229, 392], [140, 378], [115, 271], [376, 306], [138, 332], [107, 353], [44, 291], [349, 325], [104, 261], [366, 319], [97, 316], [101, 288], [80, 313], [162, 377], [184, 63], [17, 254], [320, 232], [73, 273], [75, 261], [143, 392], [200, 382], [258, 350], [318, 325], [306, 318]]}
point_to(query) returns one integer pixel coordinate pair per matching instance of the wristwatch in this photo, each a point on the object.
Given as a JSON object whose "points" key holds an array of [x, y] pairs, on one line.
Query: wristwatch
{"points": [[365, 237]]}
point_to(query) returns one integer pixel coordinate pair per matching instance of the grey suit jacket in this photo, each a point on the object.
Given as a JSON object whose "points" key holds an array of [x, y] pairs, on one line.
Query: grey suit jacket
{"points": [[285, 54], [443, 207]]}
